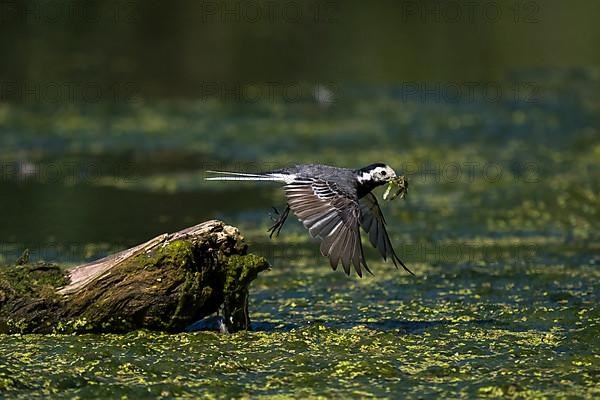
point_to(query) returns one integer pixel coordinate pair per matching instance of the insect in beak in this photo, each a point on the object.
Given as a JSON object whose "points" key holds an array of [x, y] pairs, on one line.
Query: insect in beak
{"points": [[400, 186]]}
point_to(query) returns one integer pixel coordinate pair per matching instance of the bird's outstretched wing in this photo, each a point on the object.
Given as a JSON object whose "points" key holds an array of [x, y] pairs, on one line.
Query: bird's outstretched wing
{"points": [[332, 215], [372, 221]]}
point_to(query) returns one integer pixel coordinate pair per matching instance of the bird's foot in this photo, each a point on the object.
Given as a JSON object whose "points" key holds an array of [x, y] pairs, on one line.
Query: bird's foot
{"points": [[279, 221]]}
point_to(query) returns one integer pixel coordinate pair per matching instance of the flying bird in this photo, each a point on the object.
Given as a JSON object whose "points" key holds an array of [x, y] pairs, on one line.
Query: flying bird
{"points": [[332, 203]]}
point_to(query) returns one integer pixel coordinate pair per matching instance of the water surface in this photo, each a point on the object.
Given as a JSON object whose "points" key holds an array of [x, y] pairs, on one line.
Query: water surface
{"points": [[500, 227]]}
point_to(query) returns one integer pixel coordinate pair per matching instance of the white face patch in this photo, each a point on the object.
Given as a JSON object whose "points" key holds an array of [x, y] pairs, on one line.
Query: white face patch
{"points": [[382, 174], [377, 174]]}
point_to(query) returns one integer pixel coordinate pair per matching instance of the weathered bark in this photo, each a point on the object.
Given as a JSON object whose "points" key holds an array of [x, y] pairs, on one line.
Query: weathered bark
{"points": [[166, 284]]}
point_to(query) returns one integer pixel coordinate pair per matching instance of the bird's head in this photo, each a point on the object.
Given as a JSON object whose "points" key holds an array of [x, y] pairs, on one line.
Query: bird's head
{"points": [[375, 174]]}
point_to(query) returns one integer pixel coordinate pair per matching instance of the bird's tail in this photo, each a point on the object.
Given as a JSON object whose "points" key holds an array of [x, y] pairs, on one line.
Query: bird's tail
{"points": [[240, 176]]}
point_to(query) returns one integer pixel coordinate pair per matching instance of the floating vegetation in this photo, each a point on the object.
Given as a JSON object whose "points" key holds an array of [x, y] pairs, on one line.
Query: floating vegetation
{"points": [[501, 231]]}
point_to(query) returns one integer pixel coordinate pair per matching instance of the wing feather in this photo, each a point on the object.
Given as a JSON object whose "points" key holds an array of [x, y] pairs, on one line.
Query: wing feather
{"points": [[331, 215], [373, 222]]}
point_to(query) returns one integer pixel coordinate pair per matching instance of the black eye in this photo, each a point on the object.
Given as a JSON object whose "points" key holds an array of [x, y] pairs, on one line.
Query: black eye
{"points": [[383, 173]]}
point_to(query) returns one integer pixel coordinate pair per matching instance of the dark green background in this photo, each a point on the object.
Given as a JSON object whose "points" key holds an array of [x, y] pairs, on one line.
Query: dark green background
{"points": [[108, 121]]}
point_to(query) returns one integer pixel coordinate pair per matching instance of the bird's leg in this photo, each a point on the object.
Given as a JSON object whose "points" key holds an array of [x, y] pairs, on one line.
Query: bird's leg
{"points": [[276, 228]]}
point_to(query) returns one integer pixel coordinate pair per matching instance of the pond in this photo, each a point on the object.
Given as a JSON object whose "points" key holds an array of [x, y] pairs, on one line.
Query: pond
{"points": [[500, 226]]}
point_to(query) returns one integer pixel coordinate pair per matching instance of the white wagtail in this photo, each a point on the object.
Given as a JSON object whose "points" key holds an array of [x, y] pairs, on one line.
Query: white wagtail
{"points": [[332, 203]]}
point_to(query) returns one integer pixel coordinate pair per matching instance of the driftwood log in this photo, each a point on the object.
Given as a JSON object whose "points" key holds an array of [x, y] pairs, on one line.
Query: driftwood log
{"points": [[165, 284]]}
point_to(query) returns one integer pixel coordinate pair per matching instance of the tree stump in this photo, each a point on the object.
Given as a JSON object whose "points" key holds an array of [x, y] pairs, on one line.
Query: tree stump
{"points": [[165, 284]]}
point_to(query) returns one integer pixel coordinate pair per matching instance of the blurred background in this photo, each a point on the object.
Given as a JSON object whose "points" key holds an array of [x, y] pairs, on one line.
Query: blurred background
{"points": [[111, 112]]}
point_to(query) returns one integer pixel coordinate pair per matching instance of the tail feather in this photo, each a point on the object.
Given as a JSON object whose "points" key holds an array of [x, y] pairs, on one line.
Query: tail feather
{"points": [[234, 173], [240, 176]]}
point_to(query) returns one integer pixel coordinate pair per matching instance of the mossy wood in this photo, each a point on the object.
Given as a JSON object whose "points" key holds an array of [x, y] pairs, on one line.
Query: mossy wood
{"points": [[166, 284]]}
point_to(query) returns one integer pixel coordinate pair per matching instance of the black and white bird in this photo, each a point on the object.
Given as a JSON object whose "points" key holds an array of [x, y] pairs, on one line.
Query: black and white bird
{"points": [[332, 203]]}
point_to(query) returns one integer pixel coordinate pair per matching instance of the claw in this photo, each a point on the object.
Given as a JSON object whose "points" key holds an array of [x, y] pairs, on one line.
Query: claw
{"points": [[276, 228]]}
